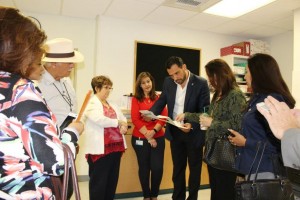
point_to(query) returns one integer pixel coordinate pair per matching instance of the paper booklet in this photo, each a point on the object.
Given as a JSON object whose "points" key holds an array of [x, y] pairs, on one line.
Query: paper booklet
{"points": [[167, 119], [71, 116]]}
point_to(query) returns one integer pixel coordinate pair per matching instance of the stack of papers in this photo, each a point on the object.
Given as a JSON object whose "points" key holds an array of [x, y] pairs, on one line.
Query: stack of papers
{"points": [[166, 119]]}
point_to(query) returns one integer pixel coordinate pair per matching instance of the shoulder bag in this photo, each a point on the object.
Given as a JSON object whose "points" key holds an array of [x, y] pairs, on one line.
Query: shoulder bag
{"points": [[294, 176], [220, 153], [263, 189]]}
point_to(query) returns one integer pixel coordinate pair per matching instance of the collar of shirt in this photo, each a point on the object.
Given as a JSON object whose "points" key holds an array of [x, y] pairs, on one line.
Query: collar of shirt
{"points": [[180, 98], [48, 79]]}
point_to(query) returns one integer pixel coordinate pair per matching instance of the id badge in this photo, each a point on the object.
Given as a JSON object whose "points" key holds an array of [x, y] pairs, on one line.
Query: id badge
{"points": [[139, 142]]}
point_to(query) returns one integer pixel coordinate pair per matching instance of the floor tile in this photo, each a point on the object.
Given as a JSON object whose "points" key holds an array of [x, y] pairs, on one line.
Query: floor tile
{"points": [[204, 194]]}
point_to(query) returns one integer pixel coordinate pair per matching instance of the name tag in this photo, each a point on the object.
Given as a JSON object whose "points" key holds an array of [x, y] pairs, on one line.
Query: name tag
{"points": [[139, 142]]}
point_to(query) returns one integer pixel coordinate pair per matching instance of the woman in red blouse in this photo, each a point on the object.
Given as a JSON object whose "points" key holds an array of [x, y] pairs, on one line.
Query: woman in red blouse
{"points": [[148, 137], [104, 144]]}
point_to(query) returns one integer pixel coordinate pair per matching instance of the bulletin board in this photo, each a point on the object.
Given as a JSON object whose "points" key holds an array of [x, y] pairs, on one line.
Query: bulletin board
{"points": [[151, 58]]}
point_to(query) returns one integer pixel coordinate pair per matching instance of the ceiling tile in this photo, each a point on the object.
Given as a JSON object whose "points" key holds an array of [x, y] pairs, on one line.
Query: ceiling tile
{"points": [[287, 4], [92, 8], [284, 23], [264, 31], [39, 6], [204, 21], [274, 11], [277, 16], [232, 27], [156, 2], [168, 15], [129, 9], [7, 3]]}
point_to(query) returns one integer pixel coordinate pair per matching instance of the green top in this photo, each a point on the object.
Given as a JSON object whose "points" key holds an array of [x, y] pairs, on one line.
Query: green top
{"points": [[226, 113]]}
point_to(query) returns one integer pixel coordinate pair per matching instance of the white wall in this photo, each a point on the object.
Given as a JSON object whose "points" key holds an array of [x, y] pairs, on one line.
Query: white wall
{"points": [[282, 50], [296, 70]]}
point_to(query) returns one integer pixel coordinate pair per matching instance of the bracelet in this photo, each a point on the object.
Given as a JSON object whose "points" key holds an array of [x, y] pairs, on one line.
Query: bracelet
{"points": [[155, 130]]}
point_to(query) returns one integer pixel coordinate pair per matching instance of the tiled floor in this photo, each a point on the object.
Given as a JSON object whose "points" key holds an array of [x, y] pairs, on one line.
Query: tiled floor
{"points": [[84, 193]]}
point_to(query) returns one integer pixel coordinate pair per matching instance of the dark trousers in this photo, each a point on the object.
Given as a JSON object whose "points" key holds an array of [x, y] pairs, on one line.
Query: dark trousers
{"points": [[70, 185], [104, 175], [221, 184], [150, 161], [185, 150]]}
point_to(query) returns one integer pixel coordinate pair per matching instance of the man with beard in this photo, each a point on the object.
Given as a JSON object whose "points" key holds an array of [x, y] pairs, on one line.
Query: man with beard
{"points": [[182, 92]]}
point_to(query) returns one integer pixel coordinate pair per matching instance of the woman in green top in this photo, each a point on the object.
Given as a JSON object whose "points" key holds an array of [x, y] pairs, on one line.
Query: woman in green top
{"points": [[225, 111]]}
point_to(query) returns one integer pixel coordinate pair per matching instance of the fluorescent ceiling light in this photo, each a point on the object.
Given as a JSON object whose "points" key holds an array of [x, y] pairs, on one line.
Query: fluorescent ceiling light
{"points": [[235, 8]]}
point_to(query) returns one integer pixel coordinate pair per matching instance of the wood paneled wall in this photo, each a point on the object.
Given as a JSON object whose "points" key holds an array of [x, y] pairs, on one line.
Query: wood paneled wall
{"points": [[128, 179]]}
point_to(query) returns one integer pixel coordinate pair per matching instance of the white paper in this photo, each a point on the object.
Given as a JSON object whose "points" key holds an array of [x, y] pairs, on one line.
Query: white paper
{"points": [[167, 119]]}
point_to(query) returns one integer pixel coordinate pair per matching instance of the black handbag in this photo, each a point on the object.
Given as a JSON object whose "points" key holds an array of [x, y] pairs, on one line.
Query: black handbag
{"points": [[294, 176], [220, 153], [263, 189]]}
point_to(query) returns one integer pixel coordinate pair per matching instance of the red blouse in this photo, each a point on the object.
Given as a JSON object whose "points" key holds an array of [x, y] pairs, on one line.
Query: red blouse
{"points": [[113, 140], [138, 121]]}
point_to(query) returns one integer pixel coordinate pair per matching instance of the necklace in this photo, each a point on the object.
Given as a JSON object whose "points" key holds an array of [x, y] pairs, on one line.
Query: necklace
{"points": [[67, 97], [147, 101]]}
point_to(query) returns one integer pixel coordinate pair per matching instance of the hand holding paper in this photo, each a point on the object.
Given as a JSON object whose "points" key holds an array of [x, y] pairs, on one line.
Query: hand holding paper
{"points": [[162, 118]]}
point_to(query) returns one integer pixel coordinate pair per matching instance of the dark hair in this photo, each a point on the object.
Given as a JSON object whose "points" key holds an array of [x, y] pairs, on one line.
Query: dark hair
{"points": [[99, 82], [221, 77], [174, 60], [21, 41], [31, 68], [139, 93], [266, 77]]}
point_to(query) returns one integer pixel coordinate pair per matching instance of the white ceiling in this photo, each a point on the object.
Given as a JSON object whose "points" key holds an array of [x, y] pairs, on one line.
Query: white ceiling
{"points": [[270, 20]]}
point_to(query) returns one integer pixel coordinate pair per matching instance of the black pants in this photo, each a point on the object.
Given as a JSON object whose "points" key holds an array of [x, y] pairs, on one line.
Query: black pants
{"points": [[104, 175], [70, 185], [150, 161], [221, 184], [185, 150]]}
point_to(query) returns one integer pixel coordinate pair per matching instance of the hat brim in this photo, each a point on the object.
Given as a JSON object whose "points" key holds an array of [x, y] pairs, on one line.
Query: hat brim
{"points": [[78, 57]]}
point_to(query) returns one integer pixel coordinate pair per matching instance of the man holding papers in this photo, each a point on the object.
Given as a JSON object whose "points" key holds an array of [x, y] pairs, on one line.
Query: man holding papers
{"points": [[183, 92]]}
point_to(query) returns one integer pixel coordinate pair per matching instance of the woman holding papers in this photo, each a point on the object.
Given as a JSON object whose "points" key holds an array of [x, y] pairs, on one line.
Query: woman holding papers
{"points": [[105, 126], [148, 136], [225, 111]]}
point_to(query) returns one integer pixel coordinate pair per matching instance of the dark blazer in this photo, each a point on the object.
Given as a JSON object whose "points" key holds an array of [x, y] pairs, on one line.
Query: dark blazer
{"points": [[197, 97]]}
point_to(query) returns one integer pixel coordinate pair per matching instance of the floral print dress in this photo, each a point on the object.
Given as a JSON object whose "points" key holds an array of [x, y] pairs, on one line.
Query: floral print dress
{"points": [[30, 148]]}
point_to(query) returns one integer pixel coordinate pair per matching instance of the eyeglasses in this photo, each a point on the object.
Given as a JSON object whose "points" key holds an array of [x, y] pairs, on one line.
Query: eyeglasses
{"points": [[108, 88]]}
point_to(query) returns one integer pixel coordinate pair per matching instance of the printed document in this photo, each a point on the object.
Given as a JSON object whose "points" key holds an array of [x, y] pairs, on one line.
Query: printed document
{"points": [[167, 119]]}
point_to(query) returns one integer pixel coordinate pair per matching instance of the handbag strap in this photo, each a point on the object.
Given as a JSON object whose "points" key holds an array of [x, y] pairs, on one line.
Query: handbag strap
{"points": [[66, 174], [278, 167], [69, 161], [255, 157]]}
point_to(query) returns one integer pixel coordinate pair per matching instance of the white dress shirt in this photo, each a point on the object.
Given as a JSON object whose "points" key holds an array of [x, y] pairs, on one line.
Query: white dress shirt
{"points": [[180, 98], [59, 95]]}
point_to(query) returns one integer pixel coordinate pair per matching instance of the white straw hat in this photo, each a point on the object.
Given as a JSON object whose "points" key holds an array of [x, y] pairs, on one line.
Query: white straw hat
{"points": [[61, 50]]}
